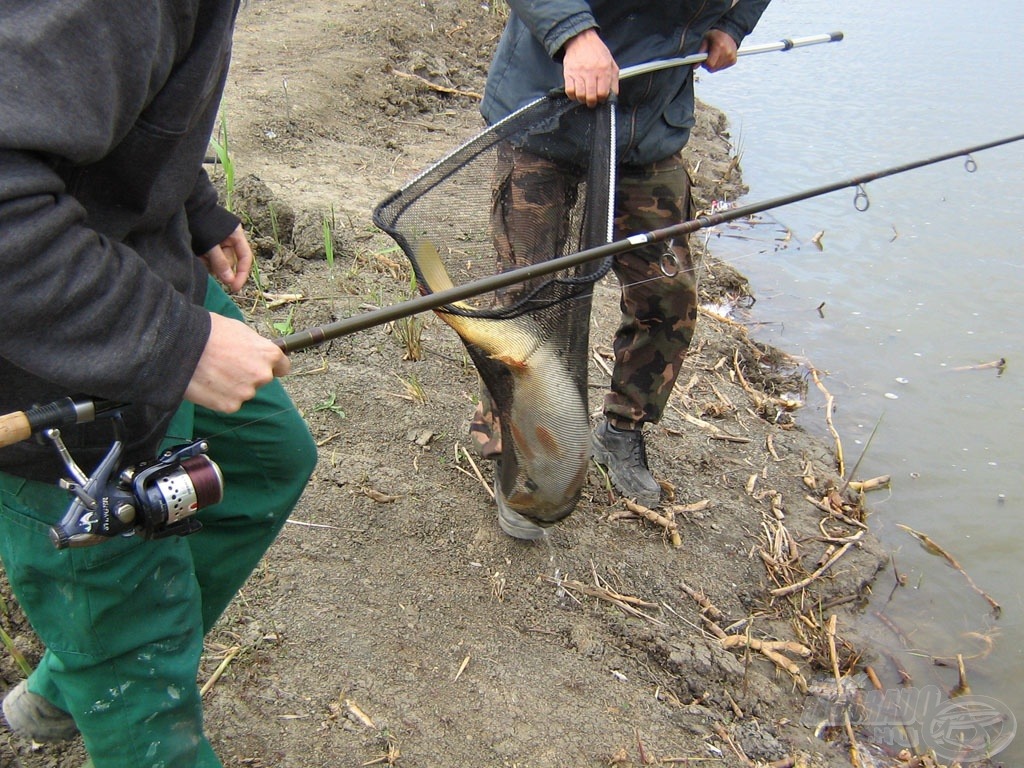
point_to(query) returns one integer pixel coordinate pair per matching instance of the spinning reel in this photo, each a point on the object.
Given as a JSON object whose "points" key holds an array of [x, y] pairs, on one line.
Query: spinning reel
{"points": [[152, 499]]}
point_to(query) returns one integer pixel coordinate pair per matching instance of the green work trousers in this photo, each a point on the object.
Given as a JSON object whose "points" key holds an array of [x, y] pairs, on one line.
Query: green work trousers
{"points": [[123, 621]]}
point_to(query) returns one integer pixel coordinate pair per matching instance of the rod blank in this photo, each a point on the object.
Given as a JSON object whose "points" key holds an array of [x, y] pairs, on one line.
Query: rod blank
{"points": [[315, 336]]}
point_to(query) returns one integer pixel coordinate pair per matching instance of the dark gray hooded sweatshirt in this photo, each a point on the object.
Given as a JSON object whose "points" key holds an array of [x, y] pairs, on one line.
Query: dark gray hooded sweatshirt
{"points": [[106, 111]]}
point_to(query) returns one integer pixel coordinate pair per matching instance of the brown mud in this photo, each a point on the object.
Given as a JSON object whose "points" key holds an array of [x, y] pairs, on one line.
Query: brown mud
{"points": [[393, 623]]}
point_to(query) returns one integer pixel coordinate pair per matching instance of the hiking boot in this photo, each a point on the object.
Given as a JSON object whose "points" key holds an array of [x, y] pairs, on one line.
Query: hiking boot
{"points": [[513, 523], [30, 715], [623, 454]]}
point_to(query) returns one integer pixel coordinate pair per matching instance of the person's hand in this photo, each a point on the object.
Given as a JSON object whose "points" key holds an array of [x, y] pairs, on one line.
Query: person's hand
{"points": [[230, 261], [720, 48], [235, 363], [590, 72]]}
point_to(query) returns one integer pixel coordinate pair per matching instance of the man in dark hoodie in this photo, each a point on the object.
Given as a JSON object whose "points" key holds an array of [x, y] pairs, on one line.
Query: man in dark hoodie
{"points": [[580, 46], [109, 232]]}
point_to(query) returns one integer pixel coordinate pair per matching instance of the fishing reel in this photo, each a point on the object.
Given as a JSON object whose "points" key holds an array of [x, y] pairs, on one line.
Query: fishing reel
{"points": [[152, 499]]}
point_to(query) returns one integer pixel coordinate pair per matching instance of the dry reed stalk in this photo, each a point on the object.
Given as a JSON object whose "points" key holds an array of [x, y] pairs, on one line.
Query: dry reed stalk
{"points": [[774, 646], [696, 506], [760, 399], [727, 738], [962, 687], [630, 605], [602, 364], [929, 544], [435, 87], [666, 522], [706, 606], [829, 405], [874, 483], [829, 509], [279, 299], [999, 365], [462, 668], [796, 587], [356, 713], [232, 652]]}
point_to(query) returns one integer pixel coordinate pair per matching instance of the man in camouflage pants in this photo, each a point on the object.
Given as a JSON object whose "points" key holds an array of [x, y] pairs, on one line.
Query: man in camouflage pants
{"points": [[579, 45], [659, 293]]}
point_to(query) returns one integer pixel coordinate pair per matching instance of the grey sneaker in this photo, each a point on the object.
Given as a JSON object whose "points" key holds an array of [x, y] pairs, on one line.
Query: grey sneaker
{"points": [[30, 715], [512, 523], [623, 454]]}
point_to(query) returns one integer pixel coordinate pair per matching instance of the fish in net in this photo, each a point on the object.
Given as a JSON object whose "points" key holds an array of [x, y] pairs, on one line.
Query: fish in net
{"points": [[535, 186]]}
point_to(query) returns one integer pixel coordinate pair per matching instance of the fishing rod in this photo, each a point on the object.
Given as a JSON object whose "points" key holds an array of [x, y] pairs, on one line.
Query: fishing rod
{"points": [[160, 498], [787, 44], [312, 337], [20, 425]]}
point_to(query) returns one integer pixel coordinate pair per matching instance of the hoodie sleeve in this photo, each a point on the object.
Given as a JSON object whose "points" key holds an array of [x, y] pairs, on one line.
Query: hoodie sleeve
{"points": [[81, 310], [84, 310], [554, 23], [742, 18], [209, 222]]}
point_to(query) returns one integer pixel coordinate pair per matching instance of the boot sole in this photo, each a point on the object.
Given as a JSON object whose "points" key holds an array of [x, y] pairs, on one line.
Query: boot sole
{"points": [[514, 524]]}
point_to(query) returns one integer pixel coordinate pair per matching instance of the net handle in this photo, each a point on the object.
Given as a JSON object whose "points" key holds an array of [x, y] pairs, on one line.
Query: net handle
{"points": [[786, 44]]}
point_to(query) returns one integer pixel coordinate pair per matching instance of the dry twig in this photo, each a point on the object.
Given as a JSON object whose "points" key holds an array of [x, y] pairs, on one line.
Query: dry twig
{"points": [[929, 544], [797, 586], [829, 406], [630, 605], [436, 87], [232, 652], [666, 522]]}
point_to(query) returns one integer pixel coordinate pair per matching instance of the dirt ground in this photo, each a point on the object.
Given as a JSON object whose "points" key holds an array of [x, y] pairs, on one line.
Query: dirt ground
{"points": [[393, 623]]}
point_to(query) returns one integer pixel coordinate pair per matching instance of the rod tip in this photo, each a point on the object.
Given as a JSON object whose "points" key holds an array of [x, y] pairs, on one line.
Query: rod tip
{"points": [[835, 37]]}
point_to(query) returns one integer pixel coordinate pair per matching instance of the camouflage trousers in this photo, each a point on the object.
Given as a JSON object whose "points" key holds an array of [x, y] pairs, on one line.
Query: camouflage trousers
{"points": [[658, 281]]}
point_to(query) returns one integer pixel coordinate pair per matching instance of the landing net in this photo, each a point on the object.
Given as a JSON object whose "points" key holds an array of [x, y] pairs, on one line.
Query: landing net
{"points": [[533, 187]]}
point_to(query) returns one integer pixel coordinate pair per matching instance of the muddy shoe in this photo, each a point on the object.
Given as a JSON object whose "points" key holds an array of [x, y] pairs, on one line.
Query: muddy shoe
{"points": [[623, 454], [512, 523], [30, 715]]}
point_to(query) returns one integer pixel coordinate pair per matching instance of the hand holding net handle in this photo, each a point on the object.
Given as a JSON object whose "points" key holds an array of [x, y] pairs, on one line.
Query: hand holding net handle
{"points": [[786, 44]]}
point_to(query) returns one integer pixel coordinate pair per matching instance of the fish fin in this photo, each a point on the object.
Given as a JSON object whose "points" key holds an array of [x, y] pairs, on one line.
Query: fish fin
{"points": [[431, 267]]}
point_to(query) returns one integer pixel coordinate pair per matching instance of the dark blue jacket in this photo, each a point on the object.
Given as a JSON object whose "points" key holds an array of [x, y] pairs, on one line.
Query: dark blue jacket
{"points": [[656, 110]]}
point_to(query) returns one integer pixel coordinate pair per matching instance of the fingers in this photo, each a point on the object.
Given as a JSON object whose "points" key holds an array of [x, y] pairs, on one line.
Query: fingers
{"points": [[590, 90], [230, 261], [238, 243], [720, 48], [236, 362]]}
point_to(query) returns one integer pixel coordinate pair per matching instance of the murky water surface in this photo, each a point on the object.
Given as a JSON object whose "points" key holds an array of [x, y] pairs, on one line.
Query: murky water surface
{"points": [[901, 297]]}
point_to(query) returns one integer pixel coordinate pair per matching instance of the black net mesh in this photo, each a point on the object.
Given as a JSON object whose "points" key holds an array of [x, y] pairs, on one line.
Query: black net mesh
{"points": [[533, 187]]}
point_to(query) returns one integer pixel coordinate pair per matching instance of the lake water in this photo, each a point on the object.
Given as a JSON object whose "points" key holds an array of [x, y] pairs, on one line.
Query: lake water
{"points": [[926, 281]]}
